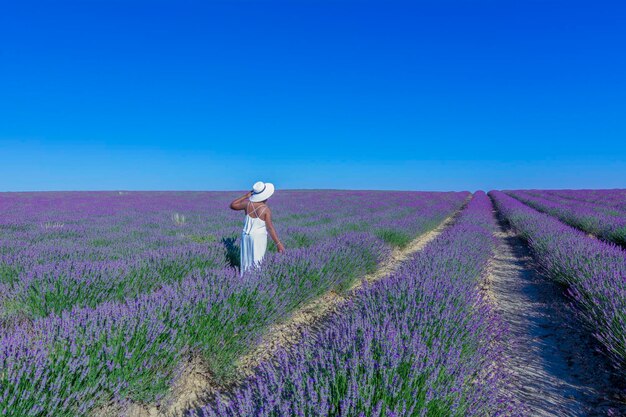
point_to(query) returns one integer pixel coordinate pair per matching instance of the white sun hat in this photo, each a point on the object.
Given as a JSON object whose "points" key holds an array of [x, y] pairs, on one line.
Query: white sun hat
{"points": [[261, 191]]}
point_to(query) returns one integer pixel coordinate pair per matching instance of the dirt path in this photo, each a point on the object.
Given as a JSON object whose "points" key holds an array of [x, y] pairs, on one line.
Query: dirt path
{"points": [[555, 370], [196, 385]]}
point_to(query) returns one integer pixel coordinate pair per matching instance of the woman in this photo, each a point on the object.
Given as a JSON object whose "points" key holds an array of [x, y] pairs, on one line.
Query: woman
{"points": [[257, 224]]}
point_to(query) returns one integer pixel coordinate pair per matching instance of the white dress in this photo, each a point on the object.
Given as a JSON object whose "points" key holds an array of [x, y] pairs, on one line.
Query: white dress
{"points": [[253, 241]]}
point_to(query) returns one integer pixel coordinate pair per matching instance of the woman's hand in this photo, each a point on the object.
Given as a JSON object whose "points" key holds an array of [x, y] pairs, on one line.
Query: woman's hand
{"points": [[280, 247]]}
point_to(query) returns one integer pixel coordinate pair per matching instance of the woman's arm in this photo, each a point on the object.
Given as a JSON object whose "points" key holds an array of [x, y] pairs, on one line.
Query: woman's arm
{"points": [[270, 228], [240, 203]]}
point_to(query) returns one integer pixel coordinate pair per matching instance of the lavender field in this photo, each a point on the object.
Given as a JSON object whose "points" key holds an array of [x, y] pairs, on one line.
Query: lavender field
{"points": [[107, 297], [104, 294], [318, 208]]}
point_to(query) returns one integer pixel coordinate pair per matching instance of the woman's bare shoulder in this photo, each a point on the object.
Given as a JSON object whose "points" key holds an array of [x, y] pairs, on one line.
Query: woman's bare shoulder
{"points": [[267, 212]]}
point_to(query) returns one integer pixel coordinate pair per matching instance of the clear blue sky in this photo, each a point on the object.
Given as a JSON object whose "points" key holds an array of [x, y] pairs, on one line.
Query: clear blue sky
{"points": [[437, 94]]}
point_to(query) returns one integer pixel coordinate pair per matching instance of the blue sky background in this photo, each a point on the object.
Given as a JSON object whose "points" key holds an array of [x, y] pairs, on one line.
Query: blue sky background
{"points": [[427, 95]]}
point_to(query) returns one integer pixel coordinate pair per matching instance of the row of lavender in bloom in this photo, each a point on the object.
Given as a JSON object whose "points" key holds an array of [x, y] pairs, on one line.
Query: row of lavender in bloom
{"points": [[598, 217], [614, 198], [594, 271], [109, 247], [74, 360], [421, 341]]}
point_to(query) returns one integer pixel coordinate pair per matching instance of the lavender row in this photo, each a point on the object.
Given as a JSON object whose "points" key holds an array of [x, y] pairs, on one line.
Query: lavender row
{"points": [[598, 220], [594, 271], [421, 341], [615, 199]]}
